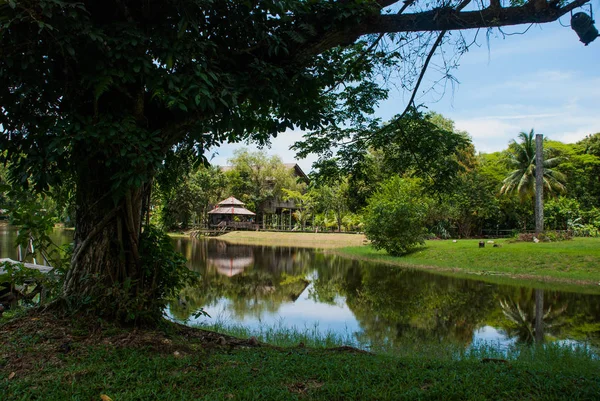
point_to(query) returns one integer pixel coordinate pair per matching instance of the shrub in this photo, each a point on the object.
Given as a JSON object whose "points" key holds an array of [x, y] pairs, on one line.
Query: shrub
{"points": [[586, 230], [525, 237], [559, 213], [395, 216], [165, 271], [547, 236], [555, 236]]}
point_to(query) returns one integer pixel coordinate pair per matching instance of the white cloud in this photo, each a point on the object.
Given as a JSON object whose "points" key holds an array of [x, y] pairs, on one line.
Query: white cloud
{"points": [[489, 134], [492, 133]]}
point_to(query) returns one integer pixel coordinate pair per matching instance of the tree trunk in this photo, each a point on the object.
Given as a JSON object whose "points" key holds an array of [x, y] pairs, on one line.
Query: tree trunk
{"points": [[105, 265]]}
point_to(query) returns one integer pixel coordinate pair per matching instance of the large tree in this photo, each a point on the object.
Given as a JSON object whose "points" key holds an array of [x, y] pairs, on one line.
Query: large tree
{"points": [[103, 92]]}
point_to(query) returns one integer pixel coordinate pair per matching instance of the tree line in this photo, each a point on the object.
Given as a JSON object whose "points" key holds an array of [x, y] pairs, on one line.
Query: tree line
{"points": [[454, 191]]}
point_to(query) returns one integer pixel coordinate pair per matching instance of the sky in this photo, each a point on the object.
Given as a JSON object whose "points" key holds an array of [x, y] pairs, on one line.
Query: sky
{"points": [[544, 80]]}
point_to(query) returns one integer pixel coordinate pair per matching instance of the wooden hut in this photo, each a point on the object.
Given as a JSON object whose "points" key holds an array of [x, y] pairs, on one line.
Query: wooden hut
{"points": [[231, 213]]}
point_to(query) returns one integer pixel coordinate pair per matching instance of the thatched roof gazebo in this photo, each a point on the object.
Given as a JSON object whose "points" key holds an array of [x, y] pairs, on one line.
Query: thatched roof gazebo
{"points": [[227, 210]]}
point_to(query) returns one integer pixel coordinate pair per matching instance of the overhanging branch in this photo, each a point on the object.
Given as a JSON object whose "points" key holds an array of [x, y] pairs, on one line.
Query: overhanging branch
{"points": [[439, 19], [447, 19]]}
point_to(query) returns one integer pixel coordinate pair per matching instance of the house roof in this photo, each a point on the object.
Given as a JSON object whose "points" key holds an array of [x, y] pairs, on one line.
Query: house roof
{"points": [[231, 201], [240, 211], [297, 170]]}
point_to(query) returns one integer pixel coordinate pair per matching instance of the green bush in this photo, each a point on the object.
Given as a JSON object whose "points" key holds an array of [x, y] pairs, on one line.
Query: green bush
{"points": [[555, 236], [546, 236], [586, 230], [560, 213], [525, 237], [165, 272], [395, 216]]}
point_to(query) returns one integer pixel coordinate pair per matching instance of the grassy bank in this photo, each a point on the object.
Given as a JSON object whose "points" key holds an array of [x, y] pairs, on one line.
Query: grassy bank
{"points": [[576, 261], [293, 239], [44, 358]]}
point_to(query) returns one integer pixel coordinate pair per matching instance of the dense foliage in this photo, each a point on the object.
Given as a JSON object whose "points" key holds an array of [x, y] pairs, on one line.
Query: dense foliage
{"points": [[395, 216], [483, 194]]}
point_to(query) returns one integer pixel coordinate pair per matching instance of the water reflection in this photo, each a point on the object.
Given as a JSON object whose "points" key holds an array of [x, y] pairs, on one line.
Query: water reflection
{"points": [[8, 248], [232, 261], [260, 285], [375, 303]]}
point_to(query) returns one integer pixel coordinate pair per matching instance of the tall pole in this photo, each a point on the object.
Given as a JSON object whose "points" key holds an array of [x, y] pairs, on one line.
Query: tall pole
{"points": [[539, 183]]}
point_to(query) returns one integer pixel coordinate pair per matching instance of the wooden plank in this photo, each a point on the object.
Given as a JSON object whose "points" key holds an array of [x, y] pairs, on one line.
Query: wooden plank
{"points": [[40, 268]]}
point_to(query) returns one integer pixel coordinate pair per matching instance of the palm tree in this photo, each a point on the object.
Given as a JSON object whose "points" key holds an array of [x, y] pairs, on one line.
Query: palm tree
{"points": [[521, 157]]}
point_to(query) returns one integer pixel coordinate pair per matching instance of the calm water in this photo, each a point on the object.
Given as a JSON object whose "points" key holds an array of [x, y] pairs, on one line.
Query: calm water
{"points": [[261, 286]]}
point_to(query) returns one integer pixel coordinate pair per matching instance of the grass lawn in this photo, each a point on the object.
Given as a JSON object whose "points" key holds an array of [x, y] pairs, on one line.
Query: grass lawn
{"points": [[576, 261], [43, 358], [300, 240]]}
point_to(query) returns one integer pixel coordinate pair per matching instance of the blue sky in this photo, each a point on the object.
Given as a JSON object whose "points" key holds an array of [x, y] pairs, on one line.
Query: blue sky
{"points": [[545, 79]]}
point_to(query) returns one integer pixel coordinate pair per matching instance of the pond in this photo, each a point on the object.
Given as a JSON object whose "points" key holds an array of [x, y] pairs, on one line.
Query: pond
{"points": [[262, 286], [258, 286]]}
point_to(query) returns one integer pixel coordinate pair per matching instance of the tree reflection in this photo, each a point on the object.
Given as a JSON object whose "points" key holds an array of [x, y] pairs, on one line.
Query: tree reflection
{"points": [[528, 322], [394, 304], [254, 280], [391, 305]]}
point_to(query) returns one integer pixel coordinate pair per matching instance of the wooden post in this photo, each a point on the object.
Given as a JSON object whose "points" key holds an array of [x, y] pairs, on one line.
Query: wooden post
{"points": [[539, 184]]}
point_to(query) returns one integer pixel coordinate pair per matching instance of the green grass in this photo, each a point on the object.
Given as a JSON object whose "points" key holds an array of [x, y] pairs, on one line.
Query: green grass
{"points": [[576, 261], [185, 365], [283, 336]]}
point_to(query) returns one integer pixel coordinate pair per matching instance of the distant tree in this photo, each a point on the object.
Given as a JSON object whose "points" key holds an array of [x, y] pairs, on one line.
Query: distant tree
{"points": [[305, 203], [333, 199], [209, 187], [466, 208], [395, 217], [590, 166], [521, 159], [256, 178], [424, 145], [4, 188], [189, 198]]}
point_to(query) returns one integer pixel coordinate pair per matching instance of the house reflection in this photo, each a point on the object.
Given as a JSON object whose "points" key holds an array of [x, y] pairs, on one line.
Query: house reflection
{"points": [[230, 260]]}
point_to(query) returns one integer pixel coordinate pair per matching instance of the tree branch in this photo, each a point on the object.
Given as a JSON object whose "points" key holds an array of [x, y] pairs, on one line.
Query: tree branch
{"points": [[448, 19]]}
